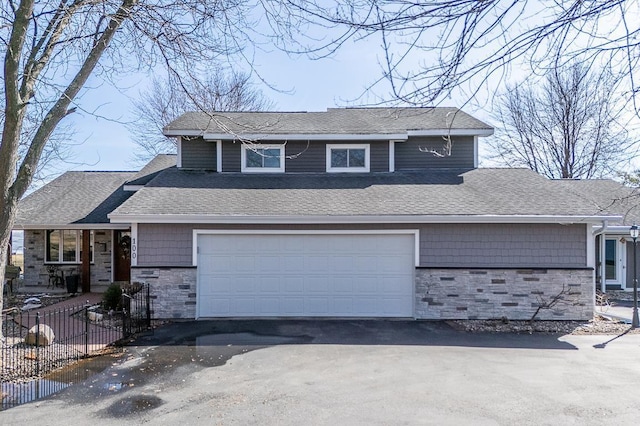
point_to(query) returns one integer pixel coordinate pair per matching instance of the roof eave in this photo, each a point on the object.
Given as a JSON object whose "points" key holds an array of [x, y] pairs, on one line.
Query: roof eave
{"points": [[329, 136], [215, 219], [77, 226]]}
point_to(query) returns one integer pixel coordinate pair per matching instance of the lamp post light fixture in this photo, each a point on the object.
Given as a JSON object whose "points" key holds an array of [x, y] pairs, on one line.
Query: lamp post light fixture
{"points": [[634, 232]]}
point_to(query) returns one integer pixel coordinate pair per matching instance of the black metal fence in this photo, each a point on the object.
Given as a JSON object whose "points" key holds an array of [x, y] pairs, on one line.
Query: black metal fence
{"points": [[37, 342]]}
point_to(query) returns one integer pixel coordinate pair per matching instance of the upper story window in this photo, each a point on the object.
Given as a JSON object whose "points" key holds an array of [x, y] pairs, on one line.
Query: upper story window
{"points": [[65, 246], [263, 158], [347, 158]]}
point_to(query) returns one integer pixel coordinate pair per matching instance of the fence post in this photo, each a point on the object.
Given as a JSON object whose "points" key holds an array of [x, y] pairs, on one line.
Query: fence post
{"points": [[86, 330], [37, 343], [148, 300]]}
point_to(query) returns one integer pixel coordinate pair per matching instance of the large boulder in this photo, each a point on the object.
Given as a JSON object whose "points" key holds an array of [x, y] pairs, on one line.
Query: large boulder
{"points": [[43, 332]]}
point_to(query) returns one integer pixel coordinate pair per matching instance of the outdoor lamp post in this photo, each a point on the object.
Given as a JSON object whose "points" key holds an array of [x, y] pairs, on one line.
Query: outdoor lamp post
{"points": [[634, 231]]}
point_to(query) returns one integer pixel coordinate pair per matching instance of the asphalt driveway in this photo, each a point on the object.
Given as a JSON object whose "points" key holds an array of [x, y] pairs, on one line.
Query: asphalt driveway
{"points": [[353, 372]]}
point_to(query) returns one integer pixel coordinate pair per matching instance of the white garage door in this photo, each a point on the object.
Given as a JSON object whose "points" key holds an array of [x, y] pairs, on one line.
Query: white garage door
{"points": [[337, 275]]}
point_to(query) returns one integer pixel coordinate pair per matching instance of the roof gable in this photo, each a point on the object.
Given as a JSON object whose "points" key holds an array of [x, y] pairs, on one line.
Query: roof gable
{"points": [[74, 198]]}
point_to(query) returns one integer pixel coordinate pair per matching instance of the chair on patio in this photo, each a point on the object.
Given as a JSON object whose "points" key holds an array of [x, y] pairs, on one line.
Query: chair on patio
{"points": [[56, 277]]}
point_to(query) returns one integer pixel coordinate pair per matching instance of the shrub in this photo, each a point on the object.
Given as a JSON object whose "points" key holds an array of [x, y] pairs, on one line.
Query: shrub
{"points": [[111, 299]]}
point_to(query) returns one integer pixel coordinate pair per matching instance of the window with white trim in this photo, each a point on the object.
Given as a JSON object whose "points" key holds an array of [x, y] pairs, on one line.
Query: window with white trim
{"points": [[347, 158], [262, 158], [65, 246]]}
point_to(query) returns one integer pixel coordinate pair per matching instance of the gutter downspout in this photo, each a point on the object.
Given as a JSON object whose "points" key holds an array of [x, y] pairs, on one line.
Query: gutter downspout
{"points": [[603, 265]]}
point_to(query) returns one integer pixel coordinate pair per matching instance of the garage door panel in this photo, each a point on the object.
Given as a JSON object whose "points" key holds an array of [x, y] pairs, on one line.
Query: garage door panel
{"points": [[343, 306], [317, 305], [343, 263], [305, 275], [237, 263], [367, 305], [365, 284], [293, 245], [244, 305], [388, 284], [316, 263], [293, 284], [243, 284], [270, 284], [221, 305], [269, 305], [316, 284], [224, 284], [267, 264], [392, 305], [342, 284], [293, 263]]}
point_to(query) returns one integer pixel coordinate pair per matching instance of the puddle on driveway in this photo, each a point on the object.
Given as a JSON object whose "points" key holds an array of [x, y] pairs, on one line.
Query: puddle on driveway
{"points": [[133, 405], [216, 349], [140, 368], [14, 394]]}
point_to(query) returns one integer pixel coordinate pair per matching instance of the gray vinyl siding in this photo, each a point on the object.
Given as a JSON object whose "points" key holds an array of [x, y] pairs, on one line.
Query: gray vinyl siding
{"points": [[379, 157], [198, 154], [231, 156], [441, 245], [408, 155], [503, 245], [307, 157]]}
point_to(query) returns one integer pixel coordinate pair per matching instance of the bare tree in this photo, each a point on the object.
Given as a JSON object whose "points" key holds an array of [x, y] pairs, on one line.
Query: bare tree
{"points": [[167, 99], [567, 126], [52, 47], [431, 48]]}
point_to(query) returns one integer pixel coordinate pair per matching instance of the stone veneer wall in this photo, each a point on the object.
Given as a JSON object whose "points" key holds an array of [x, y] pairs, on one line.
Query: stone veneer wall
{"points": [[173, 290], [496, 293], [440, 293], [35, 273]]}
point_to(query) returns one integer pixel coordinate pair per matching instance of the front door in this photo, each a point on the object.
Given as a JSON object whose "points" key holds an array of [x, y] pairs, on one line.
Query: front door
{"points": [[122, 256], [614, 256]]}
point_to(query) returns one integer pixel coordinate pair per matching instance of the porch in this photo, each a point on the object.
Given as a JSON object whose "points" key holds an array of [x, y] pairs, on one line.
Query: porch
{"points": [[97, 257]]}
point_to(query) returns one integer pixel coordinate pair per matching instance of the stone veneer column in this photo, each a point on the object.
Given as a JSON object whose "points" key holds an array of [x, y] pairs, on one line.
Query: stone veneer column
{"points": [[496, 293], [173, 290]]}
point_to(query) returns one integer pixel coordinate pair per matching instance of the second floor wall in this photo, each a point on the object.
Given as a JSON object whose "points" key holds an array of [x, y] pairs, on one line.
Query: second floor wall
{"points": [[416, 153]]}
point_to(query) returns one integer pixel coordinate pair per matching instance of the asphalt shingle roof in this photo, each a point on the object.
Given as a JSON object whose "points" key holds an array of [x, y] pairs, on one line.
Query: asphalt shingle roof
{"points": [[333, 121], [438, 192], [152, 168], [608, 197], [74, 198]]}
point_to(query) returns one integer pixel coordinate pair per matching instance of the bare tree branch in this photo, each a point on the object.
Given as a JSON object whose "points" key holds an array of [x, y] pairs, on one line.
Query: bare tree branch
{"points": [[166, 100], [570, 125]]}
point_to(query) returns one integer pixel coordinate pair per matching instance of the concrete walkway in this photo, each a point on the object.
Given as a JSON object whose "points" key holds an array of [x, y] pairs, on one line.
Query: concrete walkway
{"points": [[621, 310]]}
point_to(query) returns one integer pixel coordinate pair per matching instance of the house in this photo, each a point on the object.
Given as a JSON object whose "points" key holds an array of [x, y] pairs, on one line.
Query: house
{"points": [[356, 212]]}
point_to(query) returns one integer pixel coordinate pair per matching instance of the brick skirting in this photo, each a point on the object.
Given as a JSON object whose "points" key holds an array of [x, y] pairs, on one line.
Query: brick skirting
{"points": [[173, 290], [496, 293]]}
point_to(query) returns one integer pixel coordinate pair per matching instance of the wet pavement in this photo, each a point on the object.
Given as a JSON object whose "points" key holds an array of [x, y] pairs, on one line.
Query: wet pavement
{"points": [[351, 372]]}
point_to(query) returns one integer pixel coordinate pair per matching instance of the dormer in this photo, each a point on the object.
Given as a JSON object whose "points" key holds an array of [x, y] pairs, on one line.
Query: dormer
{"points": [[341, 140]]}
